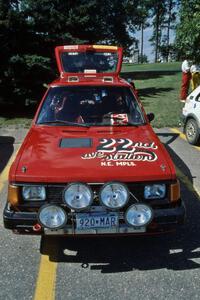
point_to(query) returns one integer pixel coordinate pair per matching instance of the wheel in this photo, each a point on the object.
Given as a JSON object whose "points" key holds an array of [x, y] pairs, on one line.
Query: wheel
{"points": [[192, 132]]}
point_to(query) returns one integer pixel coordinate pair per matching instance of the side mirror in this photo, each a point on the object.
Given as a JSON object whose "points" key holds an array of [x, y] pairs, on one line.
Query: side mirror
{"points": [[150, 117], [198, 98]]}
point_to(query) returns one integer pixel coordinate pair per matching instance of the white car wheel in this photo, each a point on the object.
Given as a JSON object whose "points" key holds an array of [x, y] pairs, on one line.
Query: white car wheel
{"points": [[192, 132]]}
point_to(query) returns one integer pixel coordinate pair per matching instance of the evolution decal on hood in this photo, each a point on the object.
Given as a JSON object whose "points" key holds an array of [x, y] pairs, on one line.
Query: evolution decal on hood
{"points": [[122, 152]]}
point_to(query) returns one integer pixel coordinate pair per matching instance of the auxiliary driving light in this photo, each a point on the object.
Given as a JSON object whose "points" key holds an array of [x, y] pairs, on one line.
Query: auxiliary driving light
{"points": [[78, 196], [139, 215], [114, 195], [52, 216]]}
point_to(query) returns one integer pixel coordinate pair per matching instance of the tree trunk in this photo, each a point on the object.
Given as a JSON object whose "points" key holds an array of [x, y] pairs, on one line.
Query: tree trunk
{"points": [[142, 43], [157, 36], [168, 28]]}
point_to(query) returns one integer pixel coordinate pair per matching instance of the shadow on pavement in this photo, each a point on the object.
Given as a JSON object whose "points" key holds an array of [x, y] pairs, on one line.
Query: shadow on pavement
{"points": [[175, 251], [167, 139], [6, 150]]}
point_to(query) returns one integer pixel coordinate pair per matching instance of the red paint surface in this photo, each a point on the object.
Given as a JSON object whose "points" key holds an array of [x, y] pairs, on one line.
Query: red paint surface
{"points": [[47, 162]]}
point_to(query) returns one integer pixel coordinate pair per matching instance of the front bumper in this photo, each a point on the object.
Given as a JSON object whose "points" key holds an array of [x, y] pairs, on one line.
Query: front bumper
{"points": [[164, 220]]}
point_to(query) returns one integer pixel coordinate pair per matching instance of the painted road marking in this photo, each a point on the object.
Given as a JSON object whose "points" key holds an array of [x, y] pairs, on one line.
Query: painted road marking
{"points": [[4, 173], [182, 136], [46, 281], [45, 287]]}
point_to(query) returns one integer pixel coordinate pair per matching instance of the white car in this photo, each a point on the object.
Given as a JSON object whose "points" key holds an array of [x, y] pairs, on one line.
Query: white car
{"points": [[191, 116]]}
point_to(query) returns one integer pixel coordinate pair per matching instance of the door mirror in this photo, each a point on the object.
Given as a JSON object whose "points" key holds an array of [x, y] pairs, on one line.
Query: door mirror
{"points": [[150, 117], [198, 98]]}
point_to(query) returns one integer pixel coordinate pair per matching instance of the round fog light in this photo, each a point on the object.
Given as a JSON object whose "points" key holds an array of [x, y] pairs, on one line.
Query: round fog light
{"points": [[78, 196], [114, 195], [139, 215], [52, 216]]}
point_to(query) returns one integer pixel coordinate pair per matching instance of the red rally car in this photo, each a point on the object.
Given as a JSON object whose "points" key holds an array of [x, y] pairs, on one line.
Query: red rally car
{"points": [[91, 164]]}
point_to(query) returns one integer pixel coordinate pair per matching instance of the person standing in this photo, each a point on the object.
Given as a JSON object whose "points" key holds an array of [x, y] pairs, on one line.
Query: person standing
{"points": [[186, 76], [195, 76]]}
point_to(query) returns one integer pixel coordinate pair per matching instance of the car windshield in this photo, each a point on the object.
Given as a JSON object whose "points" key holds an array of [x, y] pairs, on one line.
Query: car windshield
{"points": [[90, 106]]}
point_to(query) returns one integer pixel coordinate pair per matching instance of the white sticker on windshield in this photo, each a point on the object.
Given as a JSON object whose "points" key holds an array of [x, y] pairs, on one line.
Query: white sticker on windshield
{"points": [[107, 54], [90, 71], [72, 53]]}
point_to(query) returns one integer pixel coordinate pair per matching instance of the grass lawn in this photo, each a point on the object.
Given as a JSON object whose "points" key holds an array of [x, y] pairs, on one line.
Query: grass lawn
{"points": [[173, 66], [158, 86]]}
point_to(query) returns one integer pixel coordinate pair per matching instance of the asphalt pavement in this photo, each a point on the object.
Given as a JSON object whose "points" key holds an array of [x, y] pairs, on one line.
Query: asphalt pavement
{"points": [[157, 267]]}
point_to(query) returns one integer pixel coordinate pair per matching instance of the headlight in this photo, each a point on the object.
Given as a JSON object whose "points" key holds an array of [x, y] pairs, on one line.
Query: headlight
{"points": [[114, 195], [52, 216], [78, 196], [154, 191], [34, 193], [139, 215]]}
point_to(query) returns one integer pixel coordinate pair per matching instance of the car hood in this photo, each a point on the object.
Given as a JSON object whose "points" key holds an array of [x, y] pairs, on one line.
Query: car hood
{"points": [[66, 154]]}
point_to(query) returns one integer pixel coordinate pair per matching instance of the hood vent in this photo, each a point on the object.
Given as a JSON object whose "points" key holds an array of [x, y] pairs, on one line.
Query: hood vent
{"points": [[76, 143]]}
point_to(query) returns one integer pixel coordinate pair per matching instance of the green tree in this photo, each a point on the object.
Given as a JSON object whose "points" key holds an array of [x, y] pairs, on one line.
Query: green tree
{"points": [[188, 30], [143, 12], [143, 59], [30, 30], [158, 11], [168, 25], [20, 67]]}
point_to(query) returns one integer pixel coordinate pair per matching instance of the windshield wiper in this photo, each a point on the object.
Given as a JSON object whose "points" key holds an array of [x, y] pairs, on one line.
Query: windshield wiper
{"points": [[65, 123]]}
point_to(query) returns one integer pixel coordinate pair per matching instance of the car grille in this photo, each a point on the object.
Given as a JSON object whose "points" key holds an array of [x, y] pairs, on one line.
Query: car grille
{"points": [[55, 193]]}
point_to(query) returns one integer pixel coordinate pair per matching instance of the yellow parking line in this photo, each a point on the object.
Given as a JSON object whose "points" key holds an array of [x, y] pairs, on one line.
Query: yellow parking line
{"points": [[46, 281], [45, 286], [182, 136], [4, 174]]}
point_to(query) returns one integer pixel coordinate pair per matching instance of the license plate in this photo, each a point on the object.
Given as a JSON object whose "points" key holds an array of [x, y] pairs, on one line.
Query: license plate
{"points": [[88, 221]]}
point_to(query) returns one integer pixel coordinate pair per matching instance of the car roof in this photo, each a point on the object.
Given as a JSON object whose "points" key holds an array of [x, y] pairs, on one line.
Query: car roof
{"points": [[92, 81]]}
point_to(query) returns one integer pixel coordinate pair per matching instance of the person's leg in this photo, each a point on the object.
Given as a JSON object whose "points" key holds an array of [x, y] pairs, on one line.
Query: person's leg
{"points": [[193, 81], [198, 79], [185, 85]]}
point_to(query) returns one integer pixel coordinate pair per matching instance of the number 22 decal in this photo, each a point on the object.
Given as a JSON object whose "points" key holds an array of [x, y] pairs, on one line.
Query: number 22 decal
{"points": [[107, 145], [112, 145], [122, 145]]}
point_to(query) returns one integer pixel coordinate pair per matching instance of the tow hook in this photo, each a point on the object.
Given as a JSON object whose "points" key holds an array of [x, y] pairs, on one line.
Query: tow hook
{"points": [[37, 227]]}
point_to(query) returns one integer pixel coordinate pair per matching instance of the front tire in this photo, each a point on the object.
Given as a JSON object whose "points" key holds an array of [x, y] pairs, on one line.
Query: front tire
{"points": [[192, 132]]}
